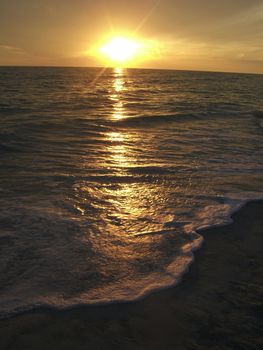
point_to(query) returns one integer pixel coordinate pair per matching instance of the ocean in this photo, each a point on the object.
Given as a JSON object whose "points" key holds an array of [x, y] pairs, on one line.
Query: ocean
{"points": [[107, 177]]}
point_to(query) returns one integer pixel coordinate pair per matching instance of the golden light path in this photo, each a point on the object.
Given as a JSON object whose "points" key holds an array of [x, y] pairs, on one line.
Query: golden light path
{"points": [[118, 86], [130, 206], [121, 156]]}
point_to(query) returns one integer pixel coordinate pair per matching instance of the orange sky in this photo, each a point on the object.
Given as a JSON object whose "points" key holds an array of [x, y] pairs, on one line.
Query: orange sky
{"points": [[225, 35]]}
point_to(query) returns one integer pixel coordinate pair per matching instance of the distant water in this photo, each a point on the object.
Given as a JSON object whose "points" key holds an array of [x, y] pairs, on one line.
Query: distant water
{"points": [[106, 176]]}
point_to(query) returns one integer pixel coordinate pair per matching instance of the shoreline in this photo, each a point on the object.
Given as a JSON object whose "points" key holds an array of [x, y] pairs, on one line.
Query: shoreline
{"points": [[216, 305], [27, 309]]}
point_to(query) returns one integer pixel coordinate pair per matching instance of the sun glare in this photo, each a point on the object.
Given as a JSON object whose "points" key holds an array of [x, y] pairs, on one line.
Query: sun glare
{"points": [[120, 50], [124, 51]]}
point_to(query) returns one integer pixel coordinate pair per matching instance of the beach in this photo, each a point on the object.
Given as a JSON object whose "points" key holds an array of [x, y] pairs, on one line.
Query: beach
{"points": [[217, 305]]}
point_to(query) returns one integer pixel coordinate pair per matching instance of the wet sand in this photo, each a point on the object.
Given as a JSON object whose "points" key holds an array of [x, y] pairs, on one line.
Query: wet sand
{"points": [[218, 305]]}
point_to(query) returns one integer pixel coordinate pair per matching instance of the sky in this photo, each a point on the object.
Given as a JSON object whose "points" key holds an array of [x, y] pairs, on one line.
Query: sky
{"points": [[213, 35]]}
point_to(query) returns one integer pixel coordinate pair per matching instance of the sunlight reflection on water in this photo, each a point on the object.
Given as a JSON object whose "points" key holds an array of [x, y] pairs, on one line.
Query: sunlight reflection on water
{"points": [[118, 88], [107, 172]]}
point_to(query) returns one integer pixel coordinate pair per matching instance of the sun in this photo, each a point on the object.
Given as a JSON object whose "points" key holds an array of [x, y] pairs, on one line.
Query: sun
{"points": [[121, 50], [124, 50]]}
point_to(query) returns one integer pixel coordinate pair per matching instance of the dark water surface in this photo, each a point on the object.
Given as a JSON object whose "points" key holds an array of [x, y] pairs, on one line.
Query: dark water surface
{"points": [[105, 176]]}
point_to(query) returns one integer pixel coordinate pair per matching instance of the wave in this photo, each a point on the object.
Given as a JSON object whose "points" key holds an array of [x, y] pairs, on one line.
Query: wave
{"points": [[210, 216], [111, 294], [258, 114], [7, 148], [152, 120]]}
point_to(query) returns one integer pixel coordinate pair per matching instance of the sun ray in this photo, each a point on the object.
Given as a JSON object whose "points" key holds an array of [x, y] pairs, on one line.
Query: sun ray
{"points": [[145, 18]]}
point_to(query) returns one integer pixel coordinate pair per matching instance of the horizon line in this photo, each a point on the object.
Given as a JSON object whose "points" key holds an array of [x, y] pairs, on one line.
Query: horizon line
{"points": [[133, 68]]}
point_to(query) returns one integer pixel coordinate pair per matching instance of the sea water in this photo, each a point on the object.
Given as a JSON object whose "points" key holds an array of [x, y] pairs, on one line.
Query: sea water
{"points": [[107, 174]]}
